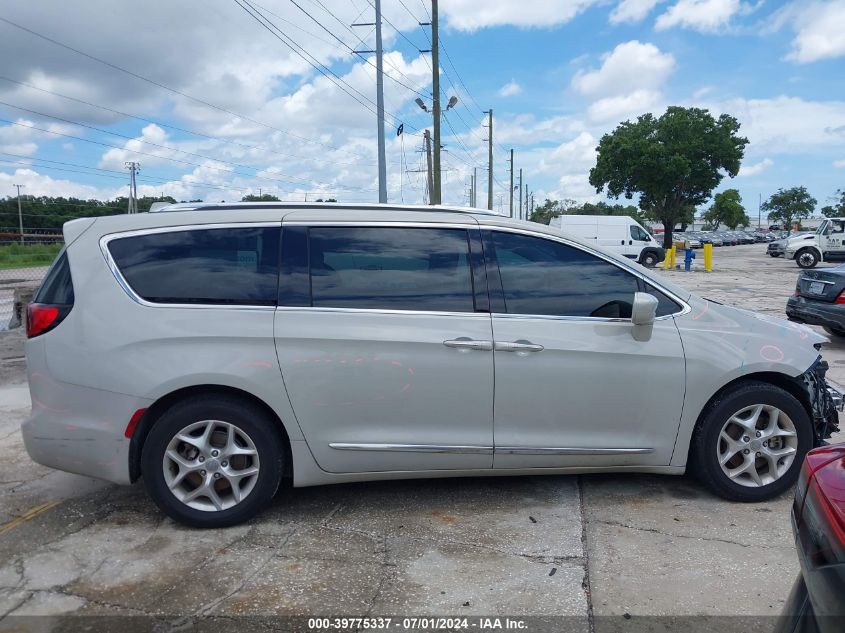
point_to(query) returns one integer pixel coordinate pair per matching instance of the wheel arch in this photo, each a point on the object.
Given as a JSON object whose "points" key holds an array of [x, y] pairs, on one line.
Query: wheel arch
{"points": [[793, 386], [165, 402], [811, 247]]}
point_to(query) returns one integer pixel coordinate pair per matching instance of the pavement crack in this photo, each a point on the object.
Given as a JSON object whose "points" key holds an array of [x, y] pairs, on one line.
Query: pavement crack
{"points": [[17, 606], [588, 591], [685, 536]]}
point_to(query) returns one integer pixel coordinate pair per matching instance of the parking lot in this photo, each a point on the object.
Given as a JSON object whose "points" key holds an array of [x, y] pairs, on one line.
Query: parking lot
{"points": [[595, 549]]}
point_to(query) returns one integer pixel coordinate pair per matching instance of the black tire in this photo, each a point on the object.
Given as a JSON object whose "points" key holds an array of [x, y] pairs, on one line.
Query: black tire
{"points": [[806, 258], [838, 332], [704, 459], [649, 259], [250, 419], [774, 254]]}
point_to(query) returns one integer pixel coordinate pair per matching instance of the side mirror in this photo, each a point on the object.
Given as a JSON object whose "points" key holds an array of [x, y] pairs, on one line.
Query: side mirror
{"points": [[643, 313]]}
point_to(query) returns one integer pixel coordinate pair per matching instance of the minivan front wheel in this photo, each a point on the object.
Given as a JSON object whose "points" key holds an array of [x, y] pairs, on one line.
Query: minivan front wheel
{"points": [[752, 442], [212, 461]]}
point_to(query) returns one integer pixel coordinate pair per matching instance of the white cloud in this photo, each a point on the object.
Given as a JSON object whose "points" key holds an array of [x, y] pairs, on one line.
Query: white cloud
{"points": [[787, 125], [839, 164], [152, 133], [36, 184], [707, 16], [819, 28], [631, 66], [470, 15], [510, 89], [632, 10], [756, 169], [623, 106]]}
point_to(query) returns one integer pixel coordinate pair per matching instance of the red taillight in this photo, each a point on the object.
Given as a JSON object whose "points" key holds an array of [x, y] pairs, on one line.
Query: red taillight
{"points": [[41, 318], [841, 298]]}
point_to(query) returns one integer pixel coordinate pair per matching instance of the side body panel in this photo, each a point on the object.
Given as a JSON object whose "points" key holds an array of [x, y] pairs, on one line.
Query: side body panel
{"points": [[723, 343]]}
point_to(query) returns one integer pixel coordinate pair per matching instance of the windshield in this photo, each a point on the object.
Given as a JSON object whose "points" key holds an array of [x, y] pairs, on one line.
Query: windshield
{"points": [[822, 228]]}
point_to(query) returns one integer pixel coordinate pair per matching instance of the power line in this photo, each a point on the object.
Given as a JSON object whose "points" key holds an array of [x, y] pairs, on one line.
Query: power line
{"points": [[324, 70], [170, 158], [164, 87], [352, 50], [177, 128]]}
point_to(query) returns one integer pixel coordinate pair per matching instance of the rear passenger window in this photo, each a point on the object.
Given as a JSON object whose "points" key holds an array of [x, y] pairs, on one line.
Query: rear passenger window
{"points": [[545, 277], [202, 266], [390, 268]]}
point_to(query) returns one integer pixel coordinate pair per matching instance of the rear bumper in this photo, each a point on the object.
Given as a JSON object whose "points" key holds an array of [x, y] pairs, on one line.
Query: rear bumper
{"points": [[815, 312], [78, 429]]}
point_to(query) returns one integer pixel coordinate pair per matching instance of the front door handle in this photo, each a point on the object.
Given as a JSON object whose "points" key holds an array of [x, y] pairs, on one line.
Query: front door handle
{"points": [[469, 344], [520, 347]]}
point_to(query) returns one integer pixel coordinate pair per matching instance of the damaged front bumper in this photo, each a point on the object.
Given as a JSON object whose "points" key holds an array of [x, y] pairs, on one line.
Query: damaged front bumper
{"points": [[827, 399]]}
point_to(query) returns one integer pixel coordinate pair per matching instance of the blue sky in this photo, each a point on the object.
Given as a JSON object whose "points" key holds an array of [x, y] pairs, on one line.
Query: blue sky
{"points": [[558, 74]]}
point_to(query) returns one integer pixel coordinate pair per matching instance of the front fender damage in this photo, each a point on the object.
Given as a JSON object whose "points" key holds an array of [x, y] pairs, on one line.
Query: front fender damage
{"points": [[827, 399]]}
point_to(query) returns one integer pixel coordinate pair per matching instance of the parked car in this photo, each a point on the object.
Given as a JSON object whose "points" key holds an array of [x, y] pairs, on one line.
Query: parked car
{"points": [[693, 240], [815, 604], [620, 234], [214, 348], [778, 247], [819, 299], [708, 237]]}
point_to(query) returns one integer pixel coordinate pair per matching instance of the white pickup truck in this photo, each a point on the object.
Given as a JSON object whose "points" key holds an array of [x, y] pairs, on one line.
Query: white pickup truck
{"points": [[826, 245]]}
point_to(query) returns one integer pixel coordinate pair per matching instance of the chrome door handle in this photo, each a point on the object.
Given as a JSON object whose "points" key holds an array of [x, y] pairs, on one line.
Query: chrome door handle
{"points": [[469, 344], [518, 347]]}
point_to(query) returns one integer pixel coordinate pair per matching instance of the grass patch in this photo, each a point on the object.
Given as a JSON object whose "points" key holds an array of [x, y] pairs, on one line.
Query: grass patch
{"points": [[27, 255]]}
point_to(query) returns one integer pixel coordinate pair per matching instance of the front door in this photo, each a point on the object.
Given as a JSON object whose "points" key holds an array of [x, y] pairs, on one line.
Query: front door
{"points": [[573, 386], [385, 351]]}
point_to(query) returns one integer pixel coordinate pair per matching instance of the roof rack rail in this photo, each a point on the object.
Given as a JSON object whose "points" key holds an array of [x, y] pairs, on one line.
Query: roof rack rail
{"points": [[158, 207]]}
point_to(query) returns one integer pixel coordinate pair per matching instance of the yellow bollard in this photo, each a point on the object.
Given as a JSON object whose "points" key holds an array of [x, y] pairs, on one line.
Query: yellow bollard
{"points": [[672, 253], [708, 258], [667, 260]]}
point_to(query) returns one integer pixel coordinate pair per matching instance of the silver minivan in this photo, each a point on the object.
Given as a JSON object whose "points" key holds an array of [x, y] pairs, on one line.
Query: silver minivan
{"points": [[214, 349]]}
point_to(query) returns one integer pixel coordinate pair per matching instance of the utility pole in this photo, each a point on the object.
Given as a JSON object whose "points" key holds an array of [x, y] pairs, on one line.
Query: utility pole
{"points": [[490, 159], [475, 187], [511, 189], [435, 66], [133, 168], [520, 193], [760, 212], [20, 213], [382, 161], [527, 199], [428, 161]]}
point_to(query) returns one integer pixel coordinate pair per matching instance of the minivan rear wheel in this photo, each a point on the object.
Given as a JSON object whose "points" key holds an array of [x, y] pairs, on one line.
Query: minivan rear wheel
{"points": [[212, 461], [752, 442]]}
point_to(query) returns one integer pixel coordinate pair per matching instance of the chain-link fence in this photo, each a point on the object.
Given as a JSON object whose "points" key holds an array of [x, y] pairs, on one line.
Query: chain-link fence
{"points": [[22, 267]]}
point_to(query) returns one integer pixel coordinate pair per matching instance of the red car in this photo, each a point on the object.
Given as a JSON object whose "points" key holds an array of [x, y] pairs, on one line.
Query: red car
{"points": [[817, 601]]}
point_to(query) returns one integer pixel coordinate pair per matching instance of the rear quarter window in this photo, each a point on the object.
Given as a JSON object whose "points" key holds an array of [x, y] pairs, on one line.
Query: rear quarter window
{"points": [[225, 266], [57, 287]]}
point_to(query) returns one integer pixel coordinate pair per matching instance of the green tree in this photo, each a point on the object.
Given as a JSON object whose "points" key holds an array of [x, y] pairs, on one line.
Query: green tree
{"points": [[673, 162], [788, 205], [837, 209], [266, 197], [544, 213], [727, 209]]}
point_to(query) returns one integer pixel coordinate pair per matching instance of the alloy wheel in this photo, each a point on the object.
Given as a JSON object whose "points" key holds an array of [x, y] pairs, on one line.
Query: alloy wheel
{"points": [[211, 465], [757, 445]]}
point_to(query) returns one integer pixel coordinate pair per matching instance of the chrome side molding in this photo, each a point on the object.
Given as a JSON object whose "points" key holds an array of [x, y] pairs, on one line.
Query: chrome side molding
{"points": [[487, 450], [413, 448]]}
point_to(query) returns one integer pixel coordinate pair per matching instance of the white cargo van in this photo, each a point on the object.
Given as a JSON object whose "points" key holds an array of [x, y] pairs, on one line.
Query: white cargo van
{"points": [[619, 234]]}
